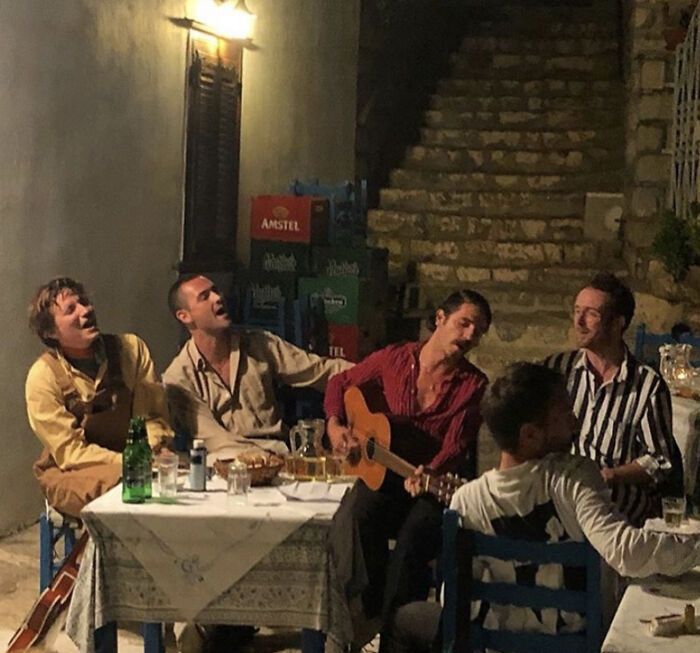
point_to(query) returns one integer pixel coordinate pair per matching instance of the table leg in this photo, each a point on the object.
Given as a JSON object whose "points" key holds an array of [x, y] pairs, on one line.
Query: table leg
{"points": [[106, 638], [153, 638], [312, 641]]}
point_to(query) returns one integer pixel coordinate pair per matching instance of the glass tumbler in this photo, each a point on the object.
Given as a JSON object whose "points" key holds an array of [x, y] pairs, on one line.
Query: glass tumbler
{"points": [[238, 483], [166, 464]]}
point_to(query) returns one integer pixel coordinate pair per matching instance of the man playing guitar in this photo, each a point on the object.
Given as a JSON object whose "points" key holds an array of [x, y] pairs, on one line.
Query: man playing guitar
{"points": [[431, 394]]}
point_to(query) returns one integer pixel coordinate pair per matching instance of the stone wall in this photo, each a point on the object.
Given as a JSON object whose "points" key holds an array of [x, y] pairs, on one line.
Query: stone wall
{"points": [[403, 51], [649, 83], [649, 73]]}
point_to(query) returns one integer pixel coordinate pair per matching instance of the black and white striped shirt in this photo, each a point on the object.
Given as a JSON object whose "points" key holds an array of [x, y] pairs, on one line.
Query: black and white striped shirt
{"points": [[625, 419]]}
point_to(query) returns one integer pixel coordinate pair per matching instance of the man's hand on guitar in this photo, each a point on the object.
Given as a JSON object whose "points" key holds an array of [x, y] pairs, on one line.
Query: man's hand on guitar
{"points": [[415, 483], [344, 443]]}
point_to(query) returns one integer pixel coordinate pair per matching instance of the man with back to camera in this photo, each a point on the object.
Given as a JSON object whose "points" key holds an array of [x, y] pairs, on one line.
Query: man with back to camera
{"points": [[540, 492], [81, 393], [221, 386], [623, 406]]}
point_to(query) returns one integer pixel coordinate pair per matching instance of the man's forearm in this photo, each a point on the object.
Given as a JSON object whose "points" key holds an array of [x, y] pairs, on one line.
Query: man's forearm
{"points": [[630, 473]]}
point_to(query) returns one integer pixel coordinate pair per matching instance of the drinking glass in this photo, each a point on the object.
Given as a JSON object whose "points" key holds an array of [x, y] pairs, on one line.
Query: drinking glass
{"points": [[673, 510], [166, 463], [238, 483]]}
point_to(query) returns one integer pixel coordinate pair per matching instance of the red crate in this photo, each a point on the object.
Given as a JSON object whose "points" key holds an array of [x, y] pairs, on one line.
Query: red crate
{"points": [[348, 341], [289, 218]]}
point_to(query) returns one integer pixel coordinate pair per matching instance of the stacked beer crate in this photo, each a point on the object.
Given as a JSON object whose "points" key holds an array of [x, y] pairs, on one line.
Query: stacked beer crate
{"points": [[305, 246]]}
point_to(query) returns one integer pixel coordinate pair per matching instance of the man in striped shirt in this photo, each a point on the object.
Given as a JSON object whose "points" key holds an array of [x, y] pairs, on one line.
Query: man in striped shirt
{"points": [[623, 406]]}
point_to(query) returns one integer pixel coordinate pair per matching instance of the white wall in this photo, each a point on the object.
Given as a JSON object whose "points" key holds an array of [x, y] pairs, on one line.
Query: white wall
{"points": [[90, 184], [299, 98], [91, 163]]}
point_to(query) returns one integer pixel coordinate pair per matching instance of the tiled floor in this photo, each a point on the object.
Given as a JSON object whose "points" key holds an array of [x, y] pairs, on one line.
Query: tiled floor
{"points": [[19, 571]]}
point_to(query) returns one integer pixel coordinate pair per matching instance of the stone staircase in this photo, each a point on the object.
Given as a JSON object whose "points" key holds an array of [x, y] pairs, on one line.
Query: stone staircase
{"points": [[493, 196]]}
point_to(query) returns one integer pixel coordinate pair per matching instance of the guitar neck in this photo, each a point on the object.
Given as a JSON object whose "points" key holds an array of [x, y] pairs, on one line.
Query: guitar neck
{"points": [[392, 462]]}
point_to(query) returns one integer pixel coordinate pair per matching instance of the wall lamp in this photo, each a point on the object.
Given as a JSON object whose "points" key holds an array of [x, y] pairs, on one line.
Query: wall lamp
{"points": [[221, 19]]}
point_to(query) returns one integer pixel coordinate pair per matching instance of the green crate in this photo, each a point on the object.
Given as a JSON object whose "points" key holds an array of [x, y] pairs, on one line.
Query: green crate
{"points": [[280, 258], [347, 300], [369, 262]]}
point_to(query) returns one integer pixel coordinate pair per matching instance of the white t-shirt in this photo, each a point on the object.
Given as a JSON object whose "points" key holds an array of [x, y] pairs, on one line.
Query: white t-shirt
{"points": [[557, 498]]}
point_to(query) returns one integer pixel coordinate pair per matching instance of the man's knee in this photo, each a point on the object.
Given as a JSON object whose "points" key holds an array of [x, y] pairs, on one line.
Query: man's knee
{"points": [[70, 491]]}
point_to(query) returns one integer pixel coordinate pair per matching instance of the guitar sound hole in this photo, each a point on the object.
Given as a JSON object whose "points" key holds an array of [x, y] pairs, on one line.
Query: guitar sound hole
{"points": [[370, 448]]}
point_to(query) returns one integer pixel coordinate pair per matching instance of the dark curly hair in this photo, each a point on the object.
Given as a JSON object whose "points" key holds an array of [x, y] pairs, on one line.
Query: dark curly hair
{"points": [[456, 299], [521, 396]]}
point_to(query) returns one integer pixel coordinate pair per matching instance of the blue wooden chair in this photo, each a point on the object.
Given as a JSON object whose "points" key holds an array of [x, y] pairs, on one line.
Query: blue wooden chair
{"points": [[460, 635], [646, 344], [57, 536]]}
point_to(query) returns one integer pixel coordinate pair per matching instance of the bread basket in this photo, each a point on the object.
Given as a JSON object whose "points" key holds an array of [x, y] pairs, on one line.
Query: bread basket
{"points": [[263, 466]]}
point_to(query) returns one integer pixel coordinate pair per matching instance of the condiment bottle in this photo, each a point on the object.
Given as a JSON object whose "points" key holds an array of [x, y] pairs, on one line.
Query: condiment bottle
{"points": [[198, 466]]}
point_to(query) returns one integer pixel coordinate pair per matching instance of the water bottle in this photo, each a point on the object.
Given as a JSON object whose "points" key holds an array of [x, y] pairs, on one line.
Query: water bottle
{"points": [[141, 437], [133, 481], [198, 466]]}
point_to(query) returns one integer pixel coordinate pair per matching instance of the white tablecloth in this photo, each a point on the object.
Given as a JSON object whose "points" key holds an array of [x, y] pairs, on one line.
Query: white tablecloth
{"points": [[206, 560], [654, 597], [686, 430]]}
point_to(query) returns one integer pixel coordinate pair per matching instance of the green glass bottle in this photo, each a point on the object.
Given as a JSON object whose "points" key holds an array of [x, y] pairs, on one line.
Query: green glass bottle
{"points": [[147, 458], [133, 490]]}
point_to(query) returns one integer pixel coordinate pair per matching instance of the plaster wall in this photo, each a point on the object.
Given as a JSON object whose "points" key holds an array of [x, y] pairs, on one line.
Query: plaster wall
{"points": [[90, 184], [299, 99]]}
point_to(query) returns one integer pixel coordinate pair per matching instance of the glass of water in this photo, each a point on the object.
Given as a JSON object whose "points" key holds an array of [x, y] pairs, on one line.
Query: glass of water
{"points": [[673, 510], [166, 463], [238, 483]]}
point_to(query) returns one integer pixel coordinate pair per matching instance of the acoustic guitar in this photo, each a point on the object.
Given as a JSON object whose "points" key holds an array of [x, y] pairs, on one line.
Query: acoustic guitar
{"points": [[373, 431], [52, 601]]}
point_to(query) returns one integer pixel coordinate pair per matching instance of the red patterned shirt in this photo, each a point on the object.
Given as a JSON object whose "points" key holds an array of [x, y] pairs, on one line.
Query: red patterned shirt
{"points": [[453, 420]]}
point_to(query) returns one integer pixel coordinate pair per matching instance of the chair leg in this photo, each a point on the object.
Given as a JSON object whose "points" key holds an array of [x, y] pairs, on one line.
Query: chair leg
{"points": [[312, 641], [106, 638], [45, 552], [68, 540], [153, 638]]}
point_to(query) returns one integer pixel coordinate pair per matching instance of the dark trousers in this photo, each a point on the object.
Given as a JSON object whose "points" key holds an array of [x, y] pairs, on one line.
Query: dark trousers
{"points": [[362, 527], [414, 628]]}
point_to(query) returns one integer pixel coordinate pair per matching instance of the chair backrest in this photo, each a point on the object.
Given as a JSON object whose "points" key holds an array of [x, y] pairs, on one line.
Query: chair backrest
{"points": [[461, 635], [646, 345]]}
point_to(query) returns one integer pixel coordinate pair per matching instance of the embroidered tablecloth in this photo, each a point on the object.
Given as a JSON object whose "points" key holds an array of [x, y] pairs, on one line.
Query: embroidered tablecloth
{"points": [[204, 559]]}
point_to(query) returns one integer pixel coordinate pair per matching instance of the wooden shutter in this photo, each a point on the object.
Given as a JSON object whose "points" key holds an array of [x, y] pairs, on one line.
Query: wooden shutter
{"points": [[212, 151]]}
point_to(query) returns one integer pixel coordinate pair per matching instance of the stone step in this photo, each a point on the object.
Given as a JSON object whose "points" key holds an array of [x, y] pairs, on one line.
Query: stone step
{"points": [[546, 46], [453, 261], [504, 298], [551, 204], [552, 119], [609, 181], [507, 161], [405, 225], [537, 27], [485, 65], [521, 139], [461, 103], [542, 88]]}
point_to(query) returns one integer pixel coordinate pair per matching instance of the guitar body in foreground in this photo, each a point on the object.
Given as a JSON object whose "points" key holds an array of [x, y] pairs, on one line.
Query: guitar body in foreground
{"points": [[374, 433], [52, 601]]}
